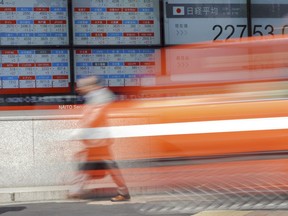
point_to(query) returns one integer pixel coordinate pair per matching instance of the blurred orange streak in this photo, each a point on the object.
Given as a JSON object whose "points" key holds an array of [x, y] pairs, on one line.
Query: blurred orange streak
{"points": [[234, 98]]}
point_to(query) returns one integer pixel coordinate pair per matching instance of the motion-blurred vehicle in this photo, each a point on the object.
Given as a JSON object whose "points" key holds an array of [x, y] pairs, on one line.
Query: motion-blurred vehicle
{"points": [[219, 126]]}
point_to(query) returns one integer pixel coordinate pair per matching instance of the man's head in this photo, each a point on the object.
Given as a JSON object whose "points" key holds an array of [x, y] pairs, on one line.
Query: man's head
{"points": [[88, 84]]}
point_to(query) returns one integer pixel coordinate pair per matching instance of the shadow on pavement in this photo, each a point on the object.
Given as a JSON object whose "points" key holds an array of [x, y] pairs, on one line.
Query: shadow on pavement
{"points": [[11, 209], [101, 194]]}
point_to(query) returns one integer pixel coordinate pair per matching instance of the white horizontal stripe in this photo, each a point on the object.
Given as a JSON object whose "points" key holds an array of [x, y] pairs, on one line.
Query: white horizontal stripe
{"points": [[201, 127]]}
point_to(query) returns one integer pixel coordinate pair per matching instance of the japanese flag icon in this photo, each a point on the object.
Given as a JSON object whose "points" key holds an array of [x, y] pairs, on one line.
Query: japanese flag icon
{"points": [[178, 10]]}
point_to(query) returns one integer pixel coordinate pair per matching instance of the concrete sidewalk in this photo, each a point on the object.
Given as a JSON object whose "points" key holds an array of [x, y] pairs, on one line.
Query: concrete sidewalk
{"points": [[46, 193], [108, 208], [243, 213], [139, 195], [59, 194], [26, 194]]}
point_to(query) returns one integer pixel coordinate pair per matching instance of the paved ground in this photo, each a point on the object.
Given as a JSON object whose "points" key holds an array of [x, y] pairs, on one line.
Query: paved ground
{"points": [[106, 208], [243, 213], [64, 208]]}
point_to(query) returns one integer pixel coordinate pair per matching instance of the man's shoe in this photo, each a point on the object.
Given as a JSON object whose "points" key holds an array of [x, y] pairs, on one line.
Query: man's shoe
{"points": [[120, 198]]}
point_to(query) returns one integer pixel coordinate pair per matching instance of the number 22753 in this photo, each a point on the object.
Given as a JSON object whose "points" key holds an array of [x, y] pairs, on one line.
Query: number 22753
{"points": [[259, 30]]}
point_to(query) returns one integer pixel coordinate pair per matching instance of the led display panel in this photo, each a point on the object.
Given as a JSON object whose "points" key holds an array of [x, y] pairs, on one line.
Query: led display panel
{"points": [[269, 18], [187, 64], [191, 21], [34, 71], [116, 22], [119, 67], [240, 62], [34, 22]]}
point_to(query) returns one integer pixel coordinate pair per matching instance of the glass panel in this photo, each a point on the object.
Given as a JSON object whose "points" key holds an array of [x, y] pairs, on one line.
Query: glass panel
{"points": [[34, 22], [189, 21], [130, 22], [34, 71], [119, 67], [269, 17]]}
